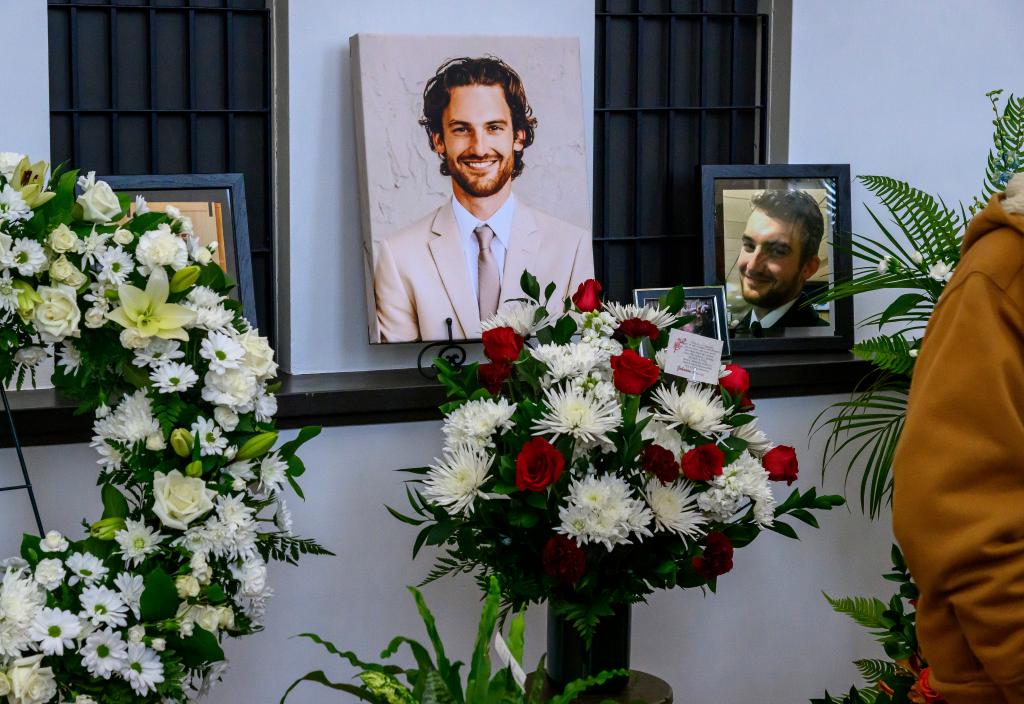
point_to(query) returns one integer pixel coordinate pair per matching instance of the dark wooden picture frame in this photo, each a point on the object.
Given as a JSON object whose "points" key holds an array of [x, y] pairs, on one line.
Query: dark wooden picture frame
{"points": [[714, 294], [227, 190], [834, 179]]}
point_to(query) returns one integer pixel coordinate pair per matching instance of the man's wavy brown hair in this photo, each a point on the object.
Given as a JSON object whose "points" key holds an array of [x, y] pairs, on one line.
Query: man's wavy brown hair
{"points": [[483, 71]]}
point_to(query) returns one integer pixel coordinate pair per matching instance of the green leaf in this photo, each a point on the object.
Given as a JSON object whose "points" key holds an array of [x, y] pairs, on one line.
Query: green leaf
{"points": [[159, 597], [114, 503], [867, 612], [198, 649], [516, 635], [900, 306], [783, 529], [565, 328], [319, 677], [874, 670], [480, 666], [30, 548], [305, 435], [528, 283]]}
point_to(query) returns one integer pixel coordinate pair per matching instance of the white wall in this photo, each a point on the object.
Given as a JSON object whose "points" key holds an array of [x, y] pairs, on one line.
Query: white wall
{"points": [[25, 105], [891, 88]]}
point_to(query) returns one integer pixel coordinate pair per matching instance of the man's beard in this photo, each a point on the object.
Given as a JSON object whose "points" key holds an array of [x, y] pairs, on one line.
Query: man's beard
{"points": [[773, 297], [481, 186]]}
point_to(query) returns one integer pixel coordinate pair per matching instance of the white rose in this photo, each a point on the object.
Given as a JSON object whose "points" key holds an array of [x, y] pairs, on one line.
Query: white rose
{"points": [[53, 542], [30, 356], [57, 316], [161, 247], [96, 317], [84, 699], [62, 240], [8, 163], [235, 388], [5, 685], [185, 629], [61, 270], [226, 418], [259, 356], [50, 573], [187, 586], [30, 683], [178, 500], [155, 442], [136, 633], [132, 339], [208, 618], [158, 644], [76, 279], [123, 237], [99, 203]]}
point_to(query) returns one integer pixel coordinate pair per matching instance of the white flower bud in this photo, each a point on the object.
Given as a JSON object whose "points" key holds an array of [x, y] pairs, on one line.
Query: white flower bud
{"points": [[155, 442], [916, 257], [185, 629], [158, 644], [136, 634], [133, 339], [203, 256]]}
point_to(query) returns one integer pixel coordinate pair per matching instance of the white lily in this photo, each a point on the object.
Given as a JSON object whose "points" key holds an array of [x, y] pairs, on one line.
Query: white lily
{"points": [[148, 311]]}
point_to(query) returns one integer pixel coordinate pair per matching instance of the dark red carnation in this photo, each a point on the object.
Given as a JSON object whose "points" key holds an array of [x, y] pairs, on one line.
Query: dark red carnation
{"points": [[704, 463], [780, 463], [563, 559], [633, 374], [538, 464], [494, 374], [660, 462], [502, 344], [737, 382], [588, 296], [717, 557], [636, 328]]}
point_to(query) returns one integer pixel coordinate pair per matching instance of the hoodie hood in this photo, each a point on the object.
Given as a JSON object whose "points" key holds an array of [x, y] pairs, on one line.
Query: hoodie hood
{"points": [[1003, 210]]}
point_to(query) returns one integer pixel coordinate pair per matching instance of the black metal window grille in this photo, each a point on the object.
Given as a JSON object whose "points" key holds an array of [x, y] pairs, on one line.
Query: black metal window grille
{"points": [[678, 83], [167, 87]]}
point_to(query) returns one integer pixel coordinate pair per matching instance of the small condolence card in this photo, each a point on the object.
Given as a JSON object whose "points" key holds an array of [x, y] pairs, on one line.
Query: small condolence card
{"points": [[693, 357]]}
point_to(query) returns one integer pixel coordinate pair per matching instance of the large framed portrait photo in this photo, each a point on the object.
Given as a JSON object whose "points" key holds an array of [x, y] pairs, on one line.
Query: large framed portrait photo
{"points": [[774, 236]]}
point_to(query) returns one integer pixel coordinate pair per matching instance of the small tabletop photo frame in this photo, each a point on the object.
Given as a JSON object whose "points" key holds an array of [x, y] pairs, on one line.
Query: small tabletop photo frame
{"points": [[705, 303]]}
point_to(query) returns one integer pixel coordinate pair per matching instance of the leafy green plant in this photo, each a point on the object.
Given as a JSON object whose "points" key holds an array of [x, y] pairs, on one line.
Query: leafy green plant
{"points": [[436, 679], [918, 249]]}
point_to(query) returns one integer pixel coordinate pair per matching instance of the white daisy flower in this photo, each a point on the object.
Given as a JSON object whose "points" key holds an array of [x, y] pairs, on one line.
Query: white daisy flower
{"points": [[20, 601], [68, 357], [208, 433], [50, 573], [603, 510], [173, 377], [675, 508], [104, 653], [103, 606], [8, 294], [521, 316], [85, 568], [574, 412], [53, 630], [475, 422], [222, 351], [13, 207], [652, 313], [695, 407], [157, 351], [115, 265], [92, 247], [454, 482], [272, 472], [27, 256], [130, 586], [137, 541]]}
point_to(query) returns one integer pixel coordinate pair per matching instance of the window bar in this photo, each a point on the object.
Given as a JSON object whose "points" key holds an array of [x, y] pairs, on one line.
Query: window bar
{"points": [[115, 101], [154, 148], [700, 84], [606, 178], [761, 114], [733, 41], [270, 323], [637, 124], [669, 192], [76, 131], [229, 47], [193, 142]]}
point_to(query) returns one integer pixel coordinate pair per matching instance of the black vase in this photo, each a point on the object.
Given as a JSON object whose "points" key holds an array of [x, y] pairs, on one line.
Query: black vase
{"points": [[569, 658]]}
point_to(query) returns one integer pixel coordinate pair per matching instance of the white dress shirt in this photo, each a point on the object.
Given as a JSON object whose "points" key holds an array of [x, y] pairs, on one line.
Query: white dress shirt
{"points": [[500, 223], [773, 315]]}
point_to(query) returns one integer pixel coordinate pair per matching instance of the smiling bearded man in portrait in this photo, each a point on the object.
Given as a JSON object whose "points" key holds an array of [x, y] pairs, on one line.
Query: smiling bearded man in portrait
{"points": [[463, 259]]}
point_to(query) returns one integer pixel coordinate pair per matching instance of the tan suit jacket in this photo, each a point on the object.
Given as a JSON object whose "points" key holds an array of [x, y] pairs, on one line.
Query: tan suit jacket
{"points": [[420, 277]]}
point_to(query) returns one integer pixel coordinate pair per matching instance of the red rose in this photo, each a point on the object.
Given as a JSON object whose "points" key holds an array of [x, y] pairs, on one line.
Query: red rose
{"points": [[737, 382], [564, 559], [717, 557], [635, 327], [502, 344], [538, 464], [588, 296], [494, 374], [633, 374], [704, 463], [780, 463], [923, 688], [660, 462]]}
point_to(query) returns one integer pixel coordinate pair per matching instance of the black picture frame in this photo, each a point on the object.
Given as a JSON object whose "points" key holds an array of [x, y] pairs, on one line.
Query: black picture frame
{"points": [[715, 294], [226, 189], [835, 181]]}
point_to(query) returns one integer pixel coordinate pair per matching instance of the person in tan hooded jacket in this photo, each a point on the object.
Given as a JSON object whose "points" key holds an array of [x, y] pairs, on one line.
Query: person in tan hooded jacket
{"points": [[958, 502]]}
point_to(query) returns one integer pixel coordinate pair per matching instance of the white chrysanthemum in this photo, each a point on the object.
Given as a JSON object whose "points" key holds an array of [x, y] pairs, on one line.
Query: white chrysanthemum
{"points": [[675, 508], [142, 669], [132, 420], [235, 388], [137, 541], [53, 630], [157, 351], [50, 573], [115, 265], [252, 577], [283, 517], [208, 433], [574, 412], [241, 470], [204, 297], [86, 568], [8, 294], [233, 512], [652, 313], [695, 407], [757, 442], [660, 434], [475, 422], [161, 247], [595, 325], [173, 377], [521, 316], [455, 481], [20, 601], [13, 207], [104, 653], [603, 510], [264, 406], [68, 357], [92, 246], [272, 472], [103, 607], [27, 256], [222, 351], [572, 361], [141, 206], [743, 480], [130, 587]]}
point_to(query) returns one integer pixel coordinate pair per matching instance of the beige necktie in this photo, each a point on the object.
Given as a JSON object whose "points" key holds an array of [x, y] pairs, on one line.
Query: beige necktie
{"points": [[487, 273]]}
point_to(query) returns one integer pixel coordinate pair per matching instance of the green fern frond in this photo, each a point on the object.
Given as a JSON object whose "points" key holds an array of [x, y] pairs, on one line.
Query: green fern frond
{"points": [[889, 353], [867, 612], [1007, 154], [448, 565], [932, 229], [874, 670]]}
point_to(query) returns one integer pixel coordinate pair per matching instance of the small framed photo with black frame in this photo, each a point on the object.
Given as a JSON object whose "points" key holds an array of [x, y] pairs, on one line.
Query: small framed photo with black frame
{"points": [[216, 205], [774, 236], [705, 303]]}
